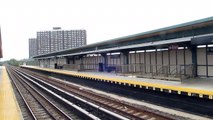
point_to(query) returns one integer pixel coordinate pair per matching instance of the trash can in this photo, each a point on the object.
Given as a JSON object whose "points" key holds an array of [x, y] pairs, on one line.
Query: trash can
{"points": [[100, 67]]}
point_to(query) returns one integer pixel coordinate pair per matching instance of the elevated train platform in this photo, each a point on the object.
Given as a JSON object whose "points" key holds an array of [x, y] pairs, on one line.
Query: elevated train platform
{"points": [[9, 108], [182, 52], [200, 87]]}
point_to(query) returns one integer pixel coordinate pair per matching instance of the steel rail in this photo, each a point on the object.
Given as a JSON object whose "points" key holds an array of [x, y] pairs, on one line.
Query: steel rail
{"points": [[57, 109], [104, 110], [131, 112], [23, 98]]}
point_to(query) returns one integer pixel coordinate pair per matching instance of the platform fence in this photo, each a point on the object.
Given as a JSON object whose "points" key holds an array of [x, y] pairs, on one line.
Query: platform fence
{"points": [[81, 67], [173, 72], [176, 72]]}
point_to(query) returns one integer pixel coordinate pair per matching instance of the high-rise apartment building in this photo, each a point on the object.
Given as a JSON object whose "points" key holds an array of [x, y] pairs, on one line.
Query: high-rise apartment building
{"points": [[57, 39], [43, 42], [33, 47]]}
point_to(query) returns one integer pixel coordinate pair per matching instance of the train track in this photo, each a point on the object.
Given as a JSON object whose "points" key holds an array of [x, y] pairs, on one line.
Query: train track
{"points": [[83, 107], [36, 108], [118, 107], [184, 103], [39, 107]]}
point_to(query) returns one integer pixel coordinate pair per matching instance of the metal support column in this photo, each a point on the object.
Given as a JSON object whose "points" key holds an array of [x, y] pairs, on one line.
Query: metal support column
{"points": [[207, 70], [67, 60], [125, 61], [156, 59], [168, 60], [135, 62], [194, 58], [184, 59], [125, 57], [176, 61], [56, 63], [81, 67], [104, 55], [145, 61], [73, 60]]}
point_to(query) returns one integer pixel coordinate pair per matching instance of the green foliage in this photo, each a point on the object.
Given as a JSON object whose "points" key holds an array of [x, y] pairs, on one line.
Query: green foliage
{"points": [[13, 62]]}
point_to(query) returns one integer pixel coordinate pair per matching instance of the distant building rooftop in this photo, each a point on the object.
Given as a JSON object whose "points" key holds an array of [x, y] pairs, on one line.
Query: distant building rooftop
{"points": [[56, 28]]}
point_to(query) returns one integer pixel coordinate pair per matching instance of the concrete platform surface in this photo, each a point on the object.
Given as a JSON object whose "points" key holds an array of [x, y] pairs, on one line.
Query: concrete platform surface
{"points": [[9, 108], [192, 87]]}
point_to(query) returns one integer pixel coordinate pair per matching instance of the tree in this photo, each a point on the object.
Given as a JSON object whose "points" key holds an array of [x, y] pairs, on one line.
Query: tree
{"points": [[13, 62]]}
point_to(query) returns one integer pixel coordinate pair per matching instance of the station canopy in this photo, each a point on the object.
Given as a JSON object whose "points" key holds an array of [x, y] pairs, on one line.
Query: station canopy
{"points": [[193, 33]]}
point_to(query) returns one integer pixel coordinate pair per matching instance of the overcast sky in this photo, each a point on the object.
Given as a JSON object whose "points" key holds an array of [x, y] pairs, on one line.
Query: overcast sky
{"points": [[103, 19]]}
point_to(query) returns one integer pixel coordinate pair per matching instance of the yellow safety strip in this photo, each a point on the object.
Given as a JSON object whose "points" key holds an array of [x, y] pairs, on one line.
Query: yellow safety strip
{"points": [[169, 88]]}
